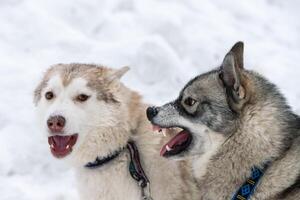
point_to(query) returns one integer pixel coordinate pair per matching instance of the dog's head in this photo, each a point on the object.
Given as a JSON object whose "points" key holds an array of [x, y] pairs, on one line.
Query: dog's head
{"points": [[207, 107], [79, 106]]}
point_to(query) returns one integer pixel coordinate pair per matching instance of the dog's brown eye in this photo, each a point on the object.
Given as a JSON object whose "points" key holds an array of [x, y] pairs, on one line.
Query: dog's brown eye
{"points": [[49, 95], [190, 101], [82, 97]]}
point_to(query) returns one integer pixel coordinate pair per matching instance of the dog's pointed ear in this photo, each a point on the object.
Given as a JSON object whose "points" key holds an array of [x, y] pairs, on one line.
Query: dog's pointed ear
{"points": [[117, 74], [231, 74], [238, 52], [232, 66]]}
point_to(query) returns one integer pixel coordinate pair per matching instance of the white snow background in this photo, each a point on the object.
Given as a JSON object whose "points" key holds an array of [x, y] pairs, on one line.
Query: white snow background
{"points": [[166, 42]]}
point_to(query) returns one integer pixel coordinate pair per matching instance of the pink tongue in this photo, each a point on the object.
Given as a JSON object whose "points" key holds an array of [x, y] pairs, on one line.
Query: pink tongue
{"points": [[60, 142], [179, 139]]}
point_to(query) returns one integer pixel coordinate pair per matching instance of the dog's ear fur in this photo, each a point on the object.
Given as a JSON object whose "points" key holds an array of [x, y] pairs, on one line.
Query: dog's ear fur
{"points": [[238, 51], [231, 75], [116, 74]]}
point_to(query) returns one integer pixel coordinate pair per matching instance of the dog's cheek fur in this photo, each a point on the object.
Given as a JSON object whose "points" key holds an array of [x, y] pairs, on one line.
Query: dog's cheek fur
{"points": [[218, 118], [101, 116]]}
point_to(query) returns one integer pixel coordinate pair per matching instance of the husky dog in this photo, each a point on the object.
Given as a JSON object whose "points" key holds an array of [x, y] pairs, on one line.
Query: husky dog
{"points": [[234, 123], [89, 117]]}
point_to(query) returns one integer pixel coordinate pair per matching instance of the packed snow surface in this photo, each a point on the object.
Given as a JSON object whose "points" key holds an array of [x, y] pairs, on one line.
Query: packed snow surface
{"points": [[164, 42]]}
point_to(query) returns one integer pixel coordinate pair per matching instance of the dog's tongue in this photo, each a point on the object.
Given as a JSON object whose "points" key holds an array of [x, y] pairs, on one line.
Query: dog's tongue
{"points": [[62, 145], [176, 144]]}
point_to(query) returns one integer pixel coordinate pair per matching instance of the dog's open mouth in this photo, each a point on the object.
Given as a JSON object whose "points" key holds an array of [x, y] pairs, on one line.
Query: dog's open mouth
{"points": [[177, 144], [61, 145]]}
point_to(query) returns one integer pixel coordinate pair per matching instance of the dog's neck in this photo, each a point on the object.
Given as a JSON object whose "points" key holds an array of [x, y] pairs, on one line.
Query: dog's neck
{"points": [[264, 131], [128, 156], [108, 180]]}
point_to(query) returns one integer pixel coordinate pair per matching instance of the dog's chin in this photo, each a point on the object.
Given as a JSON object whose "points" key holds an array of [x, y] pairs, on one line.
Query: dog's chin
{"points": [[179, 145], [62, 146]]}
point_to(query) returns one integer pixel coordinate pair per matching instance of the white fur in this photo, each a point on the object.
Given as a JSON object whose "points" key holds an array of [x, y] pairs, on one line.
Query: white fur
{"points": [[210, 142]]}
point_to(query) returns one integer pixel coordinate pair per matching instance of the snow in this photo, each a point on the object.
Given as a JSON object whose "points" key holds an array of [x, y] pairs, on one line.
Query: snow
{"points": [[165, 42]]}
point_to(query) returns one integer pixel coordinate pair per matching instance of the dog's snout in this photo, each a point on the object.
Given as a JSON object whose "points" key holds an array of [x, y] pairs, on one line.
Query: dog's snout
{"points": [[151, 112], [56, 123]]}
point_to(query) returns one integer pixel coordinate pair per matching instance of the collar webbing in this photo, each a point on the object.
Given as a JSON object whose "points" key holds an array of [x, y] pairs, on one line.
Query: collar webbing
{"points": [[100, 162], [135, 168], [249, 186]]}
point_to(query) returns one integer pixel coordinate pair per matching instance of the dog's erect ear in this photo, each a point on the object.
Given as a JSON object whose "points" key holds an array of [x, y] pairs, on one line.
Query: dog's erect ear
{"points": [[232, 76], [117, 74], [238, 51], [232, 66]]}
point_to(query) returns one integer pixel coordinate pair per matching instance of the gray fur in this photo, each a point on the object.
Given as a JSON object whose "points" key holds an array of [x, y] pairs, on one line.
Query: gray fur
{"points": [[257, 127]]}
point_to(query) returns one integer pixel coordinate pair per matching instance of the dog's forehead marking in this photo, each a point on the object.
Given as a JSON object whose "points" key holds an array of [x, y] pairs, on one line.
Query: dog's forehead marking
{"points": [[93, 74], [55, 81], [78, 82], [70, 84], [67, 76], [78, 85]]}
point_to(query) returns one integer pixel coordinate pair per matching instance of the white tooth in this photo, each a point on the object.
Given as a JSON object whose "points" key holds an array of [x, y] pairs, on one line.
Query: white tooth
{"points": [[68, 147], [52, 146], [164, 132], [168, 148]]}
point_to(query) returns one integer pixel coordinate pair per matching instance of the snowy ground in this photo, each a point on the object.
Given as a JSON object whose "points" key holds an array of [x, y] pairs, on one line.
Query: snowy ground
{"points": [[165, 43]]}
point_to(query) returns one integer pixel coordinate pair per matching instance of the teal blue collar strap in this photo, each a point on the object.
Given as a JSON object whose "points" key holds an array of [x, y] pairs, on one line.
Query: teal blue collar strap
{"points": [[247, 189]]}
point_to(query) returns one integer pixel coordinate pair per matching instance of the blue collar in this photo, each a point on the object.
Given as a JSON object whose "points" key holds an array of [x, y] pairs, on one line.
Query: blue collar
{"points": [[249, 186]]}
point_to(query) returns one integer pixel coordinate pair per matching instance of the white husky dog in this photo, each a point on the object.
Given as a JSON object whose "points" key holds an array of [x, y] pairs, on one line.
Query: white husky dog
{"points": [[90, 118]]}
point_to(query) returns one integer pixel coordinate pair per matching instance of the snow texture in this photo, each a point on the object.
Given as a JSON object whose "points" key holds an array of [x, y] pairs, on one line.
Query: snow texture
{"points": [[165, 42]]}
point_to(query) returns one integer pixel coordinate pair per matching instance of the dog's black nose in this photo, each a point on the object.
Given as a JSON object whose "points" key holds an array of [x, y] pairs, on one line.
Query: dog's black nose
{"points": [[56, 123], [151, 112]]}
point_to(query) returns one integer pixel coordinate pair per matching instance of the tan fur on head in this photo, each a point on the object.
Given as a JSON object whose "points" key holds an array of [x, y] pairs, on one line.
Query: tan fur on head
{"points": [[100, 78]]}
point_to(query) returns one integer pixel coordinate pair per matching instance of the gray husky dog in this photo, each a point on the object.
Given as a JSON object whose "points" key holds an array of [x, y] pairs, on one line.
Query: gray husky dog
{"points": [[239, 131]]}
